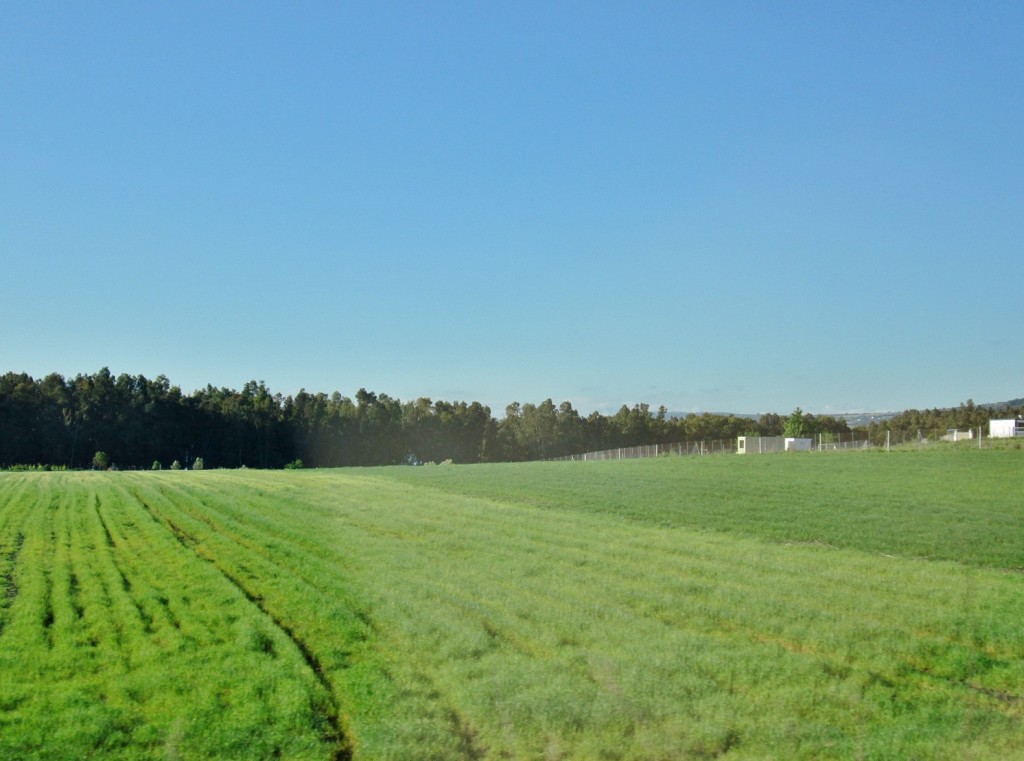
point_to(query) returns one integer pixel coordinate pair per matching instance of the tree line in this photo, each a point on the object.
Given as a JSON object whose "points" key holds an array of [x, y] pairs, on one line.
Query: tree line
{"points": [[930, 423], [137, 422]]}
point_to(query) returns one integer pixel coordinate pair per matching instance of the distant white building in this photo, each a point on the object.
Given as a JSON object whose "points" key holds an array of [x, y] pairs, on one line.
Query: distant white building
{"points": [[954, 434], [1006, 429], [766, 444], [760, 444]]}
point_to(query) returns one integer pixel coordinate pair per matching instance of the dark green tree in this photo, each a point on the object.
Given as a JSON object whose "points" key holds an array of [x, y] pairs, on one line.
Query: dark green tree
{"points": [[797, 425]]}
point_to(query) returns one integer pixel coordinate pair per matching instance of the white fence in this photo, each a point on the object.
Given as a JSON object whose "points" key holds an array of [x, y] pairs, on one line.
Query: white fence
{"points": [[829, 442], [825, 442], [698, 448]]}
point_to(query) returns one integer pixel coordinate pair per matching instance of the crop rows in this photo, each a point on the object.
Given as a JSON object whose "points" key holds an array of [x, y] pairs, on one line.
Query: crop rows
{"points": [[118, 643]]}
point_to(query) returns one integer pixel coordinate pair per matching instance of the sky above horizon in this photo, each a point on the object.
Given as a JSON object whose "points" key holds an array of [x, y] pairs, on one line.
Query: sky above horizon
{"points": [[730, 207]]}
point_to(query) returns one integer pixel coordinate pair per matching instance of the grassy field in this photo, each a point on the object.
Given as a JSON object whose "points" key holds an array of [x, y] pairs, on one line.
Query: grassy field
{"points": [[848, 606]]}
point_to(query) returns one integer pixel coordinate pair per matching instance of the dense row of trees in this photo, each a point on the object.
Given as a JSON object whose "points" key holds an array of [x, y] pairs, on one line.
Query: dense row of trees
{"points": [[137, 421]]}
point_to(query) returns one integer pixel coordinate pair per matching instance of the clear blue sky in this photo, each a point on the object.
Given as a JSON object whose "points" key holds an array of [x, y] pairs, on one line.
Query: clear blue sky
{"points": [[712, 206]]}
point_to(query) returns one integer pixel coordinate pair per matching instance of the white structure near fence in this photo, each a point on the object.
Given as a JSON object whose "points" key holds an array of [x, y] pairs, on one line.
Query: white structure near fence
{"points": [[654, 450], [957, 435], [1006, 429], [760, 444], [766, 444], [742, 444]]}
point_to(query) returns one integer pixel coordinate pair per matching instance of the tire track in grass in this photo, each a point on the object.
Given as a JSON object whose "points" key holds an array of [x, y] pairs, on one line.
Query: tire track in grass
{"points": [[9, 578], [180, 610], [50, 548], [335, 734], [65, 587], [267, 519], [392, 707], [143, 543], [74, 585]]}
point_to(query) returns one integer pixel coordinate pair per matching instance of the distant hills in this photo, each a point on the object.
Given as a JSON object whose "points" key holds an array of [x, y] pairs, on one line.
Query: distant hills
{"points": [[1012, 404], [681, 415], [853, 419], [861, 419]]}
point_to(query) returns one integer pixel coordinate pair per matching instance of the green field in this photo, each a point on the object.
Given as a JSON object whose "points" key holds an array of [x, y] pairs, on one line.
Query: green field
{"points": [[851, 605]]}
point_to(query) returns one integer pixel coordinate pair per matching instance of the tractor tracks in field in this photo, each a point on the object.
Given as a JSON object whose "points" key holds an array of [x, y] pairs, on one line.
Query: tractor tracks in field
{"points": [[10, 582], [334, 734]]}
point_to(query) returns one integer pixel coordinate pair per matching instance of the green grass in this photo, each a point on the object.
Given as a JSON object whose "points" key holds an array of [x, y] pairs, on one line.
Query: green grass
{"points": [[848, 606], [952, 504], [116, 643]]}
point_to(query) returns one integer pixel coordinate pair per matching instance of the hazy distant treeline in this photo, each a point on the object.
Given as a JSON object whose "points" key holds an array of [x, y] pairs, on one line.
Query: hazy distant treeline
{"points": [[137, 422], [936, 421]]}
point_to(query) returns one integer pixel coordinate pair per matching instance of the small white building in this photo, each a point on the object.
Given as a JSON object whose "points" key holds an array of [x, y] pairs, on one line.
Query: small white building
{"points": [[766, 444], [1006, 429], [954, 434], [760, 444]]}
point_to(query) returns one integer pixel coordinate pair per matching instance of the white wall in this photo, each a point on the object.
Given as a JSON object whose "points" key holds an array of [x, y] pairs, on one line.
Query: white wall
{"points": [[760, 444], [1005, 429]]}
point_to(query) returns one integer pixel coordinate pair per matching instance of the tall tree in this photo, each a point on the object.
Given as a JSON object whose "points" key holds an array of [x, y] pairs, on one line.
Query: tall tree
{"points": [[798, 425]]}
